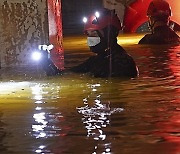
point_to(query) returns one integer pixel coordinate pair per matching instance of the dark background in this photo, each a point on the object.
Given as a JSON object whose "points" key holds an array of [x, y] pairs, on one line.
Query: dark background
{"points": [[73, 11]]}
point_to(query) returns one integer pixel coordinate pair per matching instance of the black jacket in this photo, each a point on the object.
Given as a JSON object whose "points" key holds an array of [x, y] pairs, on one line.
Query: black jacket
{"points": [[161, 35], [115, 63]]}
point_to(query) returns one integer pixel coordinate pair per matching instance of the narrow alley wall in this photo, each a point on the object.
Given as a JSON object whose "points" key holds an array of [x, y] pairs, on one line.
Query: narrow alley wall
{"points": [[23, 26]]}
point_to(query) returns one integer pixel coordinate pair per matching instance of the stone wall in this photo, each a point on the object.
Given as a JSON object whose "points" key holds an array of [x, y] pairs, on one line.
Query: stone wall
{"points": [[22, 28]]}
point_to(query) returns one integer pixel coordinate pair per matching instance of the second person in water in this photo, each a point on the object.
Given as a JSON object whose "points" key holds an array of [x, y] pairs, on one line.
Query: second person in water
{"points": [[158, 14]]}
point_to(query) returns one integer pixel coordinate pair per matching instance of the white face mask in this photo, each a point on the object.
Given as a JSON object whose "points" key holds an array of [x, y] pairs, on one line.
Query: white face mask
{"points": [[92, 41]]}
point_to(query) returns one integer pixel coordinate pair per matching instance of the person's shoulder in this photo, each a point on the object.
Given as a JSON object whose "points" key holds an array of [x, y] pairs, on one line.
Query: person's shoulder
{"points": [[120, 49], [174, 33], [145, 39], [122, 55], [170, 36]]}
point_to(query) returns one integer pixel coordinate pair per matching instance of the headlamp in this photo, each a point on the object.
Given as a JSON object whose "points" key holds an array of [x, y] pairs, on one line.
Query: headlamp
{"points": [[97, 14], [84, 19]]}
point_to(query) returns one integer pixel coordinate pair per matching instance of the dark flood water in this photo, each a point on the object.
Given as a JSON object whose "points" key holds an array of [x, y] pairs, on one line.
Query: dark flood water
{"points": [[76, 113]]}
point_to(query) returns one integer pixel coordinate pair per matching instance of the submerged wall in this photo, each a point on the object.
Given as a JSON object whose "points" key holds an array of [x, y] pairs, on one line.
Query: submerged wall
{"points": [[23, 26]]}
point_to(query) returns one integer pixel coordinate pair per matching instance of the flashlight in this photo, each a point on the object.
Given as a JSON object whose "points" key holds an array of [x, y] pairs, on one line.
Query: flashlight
{"points": [[36, 56]]}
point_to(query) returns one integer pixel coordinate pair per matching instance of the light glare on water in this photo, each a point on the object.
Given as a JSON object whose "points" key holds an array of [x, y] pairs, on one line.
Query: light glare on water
{"points": [[76, 113]]}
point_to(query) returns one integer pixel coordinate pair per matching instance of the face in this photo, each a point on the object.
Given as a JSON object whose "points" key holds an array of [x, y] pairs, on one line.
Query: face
{"points": [[96, 42]]}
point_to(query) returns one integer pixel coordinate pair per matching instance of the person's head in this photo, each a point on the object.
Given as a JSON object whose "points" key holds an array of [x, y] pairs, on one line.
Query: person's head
{"points": [[158, 13], [102, 29]]}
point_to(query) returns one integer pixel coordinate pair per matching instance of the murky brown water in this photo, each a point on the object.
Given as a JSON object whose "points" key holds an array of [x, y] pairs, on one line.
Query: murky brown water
{"points": [[75, 113]]}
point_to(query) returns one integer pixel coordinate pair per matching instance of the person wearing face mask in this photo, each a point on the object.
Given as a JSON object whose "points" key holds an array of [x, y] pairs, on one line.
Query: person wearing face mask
{"points": [[158, 14], [110, 59]]}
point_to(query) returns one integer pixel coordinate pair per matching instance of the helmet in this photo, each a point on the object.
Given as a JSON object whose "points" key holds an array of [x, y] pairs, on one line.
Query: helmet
{"points": [[106, 18], [159, 8]]}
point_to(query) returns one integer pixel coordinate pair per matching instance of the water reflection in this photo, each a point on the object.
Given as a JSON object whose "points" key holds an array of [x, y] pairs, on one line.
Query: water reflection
{"points": [[96, 118], [175, 61], [159, 61], [42, 124], [3, 134], [40, 149], [163, 66], [46, 119], [11, 86]]}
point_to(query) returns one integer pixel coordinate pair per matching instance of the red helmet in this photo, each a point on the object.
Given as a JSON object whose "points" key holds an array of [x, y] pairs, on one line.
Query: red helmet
{"points": [[106, 18], [159, 8]]}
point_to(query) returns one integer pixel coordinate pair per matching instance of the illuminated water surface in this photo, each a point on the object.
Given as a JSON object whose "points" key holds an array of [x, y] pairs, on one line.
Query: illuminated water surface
{"points": [[76, 113]]}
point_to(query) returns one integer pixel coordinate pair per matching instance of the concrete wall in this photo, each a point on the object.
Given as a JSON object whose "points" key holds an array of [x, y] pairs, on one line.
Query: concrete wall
{"points": [[22, 28]]}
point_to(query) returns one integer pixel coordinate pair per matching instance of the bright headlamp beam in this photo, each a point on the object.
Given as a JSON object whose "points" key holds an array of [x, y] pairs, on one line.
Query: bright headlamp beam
{"points": [[84, 19], [36, 56], [97, 14]]}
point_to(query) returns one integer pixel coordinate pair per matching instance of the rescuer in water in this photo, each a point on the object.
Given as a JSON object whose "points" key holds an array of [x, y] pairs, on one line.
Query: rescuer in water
{"points": [[110, 59], [158, 14]]}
